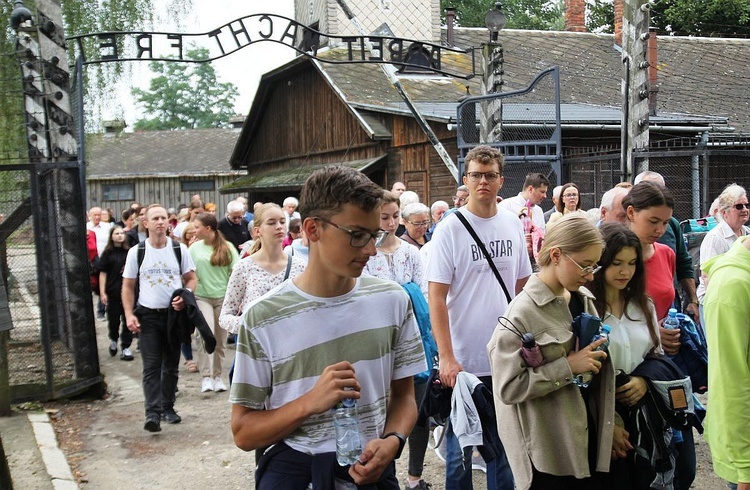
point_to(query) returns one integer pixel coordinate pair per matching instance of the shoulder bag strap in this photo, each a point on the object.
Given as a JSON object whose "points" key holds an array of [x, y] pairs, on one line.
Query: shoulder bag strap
{"points": [[288, 267], [486, 254]]}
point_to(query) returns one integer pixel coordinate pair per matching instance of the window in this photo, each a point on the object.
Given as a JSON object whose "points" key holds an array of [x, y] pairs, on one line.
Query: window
{"points": [[118, 192], [197, 185]]}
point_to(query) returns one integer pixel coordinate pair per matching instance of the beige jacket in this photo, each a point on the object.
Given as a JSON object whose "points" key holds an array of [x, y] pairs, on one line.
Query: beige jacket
{"points": [[541, 416]]}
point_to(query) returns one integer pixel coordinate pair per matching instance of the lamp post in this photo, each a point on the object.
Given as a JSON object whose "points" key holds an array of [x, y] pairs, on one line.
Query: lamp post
{"points": [[492, 82]]}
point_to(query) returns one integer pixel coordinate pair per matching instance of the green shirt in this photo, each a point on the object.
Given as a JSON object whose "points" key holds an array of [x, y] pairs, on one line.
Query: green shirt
{"points": [[212, 280]]}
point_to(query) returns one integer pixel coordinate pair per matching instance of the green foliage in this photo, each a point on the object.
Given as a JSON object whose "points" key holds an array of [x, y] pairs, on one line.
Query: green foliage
{"points": [[702, 17], [601, 16], [185, 96], [521, 14]]}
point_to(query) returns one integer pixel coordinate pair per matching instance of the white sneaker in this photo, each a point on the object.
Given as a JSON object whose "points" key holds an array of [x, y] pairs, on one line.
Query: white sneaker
{"points": [[219, 385], [477, 461], [208, 385]]}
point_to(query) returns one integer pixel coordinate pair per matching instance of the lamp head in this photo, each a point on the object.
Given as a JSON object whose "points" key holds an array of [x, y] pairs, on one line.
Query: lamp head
{"points": [[495, 20]]}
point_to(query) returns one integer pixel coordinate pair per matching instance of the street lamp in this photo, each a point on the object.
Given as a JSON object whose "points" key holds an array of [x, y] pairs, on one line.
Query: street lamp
{"points": [[495, 20]]}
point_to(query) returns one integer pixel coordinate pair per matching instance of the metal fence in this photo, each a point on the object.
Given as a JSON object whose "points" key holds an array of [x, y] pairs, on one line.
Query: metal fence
{"points": [[695, 173], [50, 349]]}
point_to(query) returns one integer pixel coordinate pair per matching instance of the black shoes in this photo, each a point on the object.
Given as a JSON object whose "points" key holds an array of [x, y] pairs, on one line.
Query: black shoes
{"points": [[171, 417], [152, 424], [112, 348]]}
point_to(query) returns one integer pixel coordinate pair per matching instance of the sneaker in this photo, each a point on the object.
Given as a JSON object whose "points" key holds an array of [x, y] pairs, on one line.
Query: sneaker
{"points": [[207, 385], [112, 348], [421, 485], [477, 461], [170, 416], [219, 385], [152, 424], [101, 318], [438, 445], [126, 354]]}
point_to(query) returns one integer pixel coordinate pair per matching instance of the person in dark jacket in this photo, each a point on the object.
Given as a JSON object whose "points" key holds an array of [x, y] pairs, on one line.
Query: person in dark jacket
{"points": [[111, 265], [234, 225]]}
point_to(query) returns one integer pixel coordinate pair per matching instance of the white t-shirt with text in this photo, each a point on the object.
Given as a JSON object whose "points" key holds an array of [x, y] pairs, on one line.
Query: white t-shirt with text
{"points": [[160, 273], [475, 298]]}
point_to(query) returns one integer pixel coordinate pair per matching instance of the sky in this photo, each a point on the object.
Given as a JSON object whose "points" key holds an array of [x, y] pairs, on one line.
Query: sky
{"points": [[242, 68]]}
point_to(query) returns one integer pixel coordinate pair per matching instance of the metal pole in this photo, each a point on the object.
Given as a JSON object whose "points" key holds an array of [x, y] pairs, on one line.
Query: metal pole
{"points": [[390, 73]]}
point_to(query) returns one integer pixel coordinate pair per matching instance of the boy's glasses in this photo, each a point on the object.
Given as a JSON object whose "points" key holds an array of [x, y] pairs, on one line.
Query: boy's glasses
{"points": [[357, 238], [585, 271], [488, 176]]}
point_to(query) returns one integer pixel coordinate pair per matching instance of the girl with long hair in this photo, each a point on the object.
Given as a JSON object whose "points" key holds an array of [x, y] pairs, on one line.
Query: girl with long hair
{"points": [[214, 259], [264, 268], [556, 435], [111, 265], [622, 303], [649, 207]]}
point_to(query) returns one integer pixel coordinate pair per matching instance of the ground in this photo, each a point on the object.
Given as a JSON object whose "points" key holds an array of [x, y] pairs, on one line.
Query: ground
{"points": [[107, 447]]}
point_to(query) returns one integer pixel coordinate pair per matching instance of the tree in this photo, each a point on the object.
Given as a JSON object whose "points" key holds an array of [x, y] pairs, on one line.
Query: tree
{"points": [[522, 14], [724, 18], [601, 16], [185, 96]]}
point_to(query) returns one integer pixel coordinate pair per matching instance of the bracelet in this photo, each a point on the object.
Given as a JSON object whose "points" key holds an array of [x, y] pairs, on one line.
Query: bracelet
{"points": [[401, 442]]}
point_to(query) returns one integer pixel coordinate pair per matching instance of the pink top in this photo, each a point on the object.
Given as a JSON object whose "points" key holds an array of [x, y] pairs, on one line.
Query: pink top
{"points": [[660, 269]]}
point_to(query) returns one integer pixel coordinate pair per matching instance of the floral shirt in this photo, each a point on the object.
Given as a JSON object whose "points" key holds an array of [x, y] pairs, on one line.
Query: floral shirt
{"points": [[247, 283], [402, 266]]}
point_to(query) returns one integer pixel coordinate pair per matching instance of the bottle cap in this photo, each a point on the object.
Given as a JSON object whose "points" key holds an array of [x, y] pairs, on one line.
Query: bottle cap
{"points": [[672, 312], [528, 340], [606, 329]]}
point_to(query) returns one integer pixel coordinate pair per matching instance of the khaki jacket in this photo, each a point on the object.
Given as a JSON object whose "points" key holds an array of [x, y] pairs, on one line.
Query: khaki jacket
{"points": [[541, 416]]}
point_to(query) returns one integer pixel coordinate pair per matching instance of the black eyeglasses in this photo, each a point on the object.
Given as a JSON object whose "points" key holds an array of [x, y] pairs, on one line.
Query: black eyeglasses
{"points": [[488, 176], [739, 207], [357, 238]]}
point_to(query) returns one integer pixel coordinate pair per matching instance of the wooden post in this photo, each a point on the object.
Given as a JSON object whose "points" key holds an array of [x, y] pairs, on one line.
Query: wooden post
{"points": [[635, 85]]}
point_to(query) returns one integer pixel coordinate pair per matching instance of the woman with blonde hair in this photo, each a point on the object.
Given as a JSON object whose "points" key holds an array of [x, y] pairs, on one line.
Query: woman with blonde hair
{"points": [[214, 259], [556, 435], [265, 267]]}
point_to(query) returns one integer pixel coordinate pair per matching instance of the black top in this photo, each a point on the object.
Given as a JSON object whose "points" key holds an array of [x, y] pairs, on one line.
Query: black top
{"points": [[237, 234], [112, 262]]}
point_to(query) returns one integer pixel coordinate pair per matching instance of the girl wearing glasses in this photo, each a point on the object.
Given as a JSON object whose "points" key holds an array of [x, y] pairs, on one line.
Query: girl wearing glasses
{"points": [[570, 201], [556, 435], [622, 303]]}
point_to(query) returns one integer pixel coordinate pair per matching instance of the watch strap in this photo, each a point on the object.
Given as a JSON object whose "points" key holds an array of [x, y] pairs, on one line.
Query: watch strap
{"points": [[401, 441]]}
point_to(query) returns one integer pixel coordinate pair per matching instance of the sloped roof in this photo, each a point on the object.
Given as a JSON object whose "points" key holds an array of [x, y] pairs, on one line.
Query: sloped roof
{"points": [[147, 154], [697, 76]]}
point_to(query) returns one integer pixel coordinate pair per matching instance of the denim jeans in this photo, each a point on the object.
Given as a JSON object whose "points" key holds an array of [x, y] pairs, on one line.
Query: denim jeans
{"points": [[458, 465], [685, 464], [160, 361], [116, 321]]}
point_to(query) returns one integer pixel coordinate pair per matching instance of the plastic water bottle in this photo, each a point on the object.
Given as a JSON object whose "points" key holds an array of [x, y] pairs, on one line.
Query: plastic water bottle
{"points": [[671, 321], [584, 379], [346, 423]]}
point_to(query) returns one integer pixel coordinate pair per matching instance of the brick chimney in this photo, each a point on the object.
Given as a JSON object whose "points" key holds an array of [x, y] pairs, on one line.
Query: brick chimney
{"points": [[618, 22], [575, 15], [653, 77]]}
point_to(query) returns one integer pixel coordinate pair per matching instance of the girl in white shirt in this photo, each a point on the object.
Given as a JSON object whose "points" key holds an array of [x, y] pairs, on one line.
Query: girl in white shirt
{"points": [[622, 303]]}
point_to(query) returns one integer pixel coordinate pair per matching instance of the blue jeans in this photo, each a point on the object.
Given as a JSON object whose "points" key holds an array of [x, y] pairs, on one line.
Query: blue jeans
{"points": [[458, 466], [161, 360], [685, 464]]}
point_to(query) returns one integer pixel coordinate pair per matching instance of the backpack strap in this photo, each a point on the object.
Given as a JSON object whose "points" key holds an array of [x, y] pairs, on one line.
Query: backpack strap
{"points": [[288, 267], [484, 251]]}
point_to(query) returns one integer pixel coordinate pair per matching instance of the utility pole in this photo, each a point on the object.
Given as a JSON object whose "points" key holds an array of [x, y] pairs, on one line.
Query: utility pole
{"points": [[635, 84]]}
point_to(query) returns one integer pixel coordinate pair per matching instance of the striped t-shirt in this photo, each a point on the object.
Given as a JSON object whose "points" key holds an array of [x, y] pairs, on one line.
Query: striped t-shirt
{"points": [[289, 337]]}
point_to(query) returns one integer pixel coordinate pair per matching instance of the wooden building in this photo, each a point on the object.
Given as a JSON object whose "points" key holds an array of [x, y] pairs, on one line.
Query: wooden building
{"points": [[165, 167]]}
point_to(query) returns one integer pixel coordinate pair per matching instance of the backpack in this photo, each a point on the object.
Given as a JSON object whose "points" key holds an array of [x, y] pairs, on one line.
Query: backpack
{"points": [[142, 254], [667, 406], [692, 358]]}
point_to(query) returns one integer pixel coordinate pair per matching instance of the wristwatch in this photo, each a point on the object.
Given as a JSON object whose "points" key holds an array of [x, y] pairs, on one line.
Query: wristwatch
{"points": [[401, 441]]}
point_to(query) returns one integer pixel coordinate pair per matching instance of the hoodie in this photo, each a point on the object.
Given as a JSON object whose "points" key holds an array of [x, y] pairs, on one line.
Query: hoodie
{"points": [[727, 314]]}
